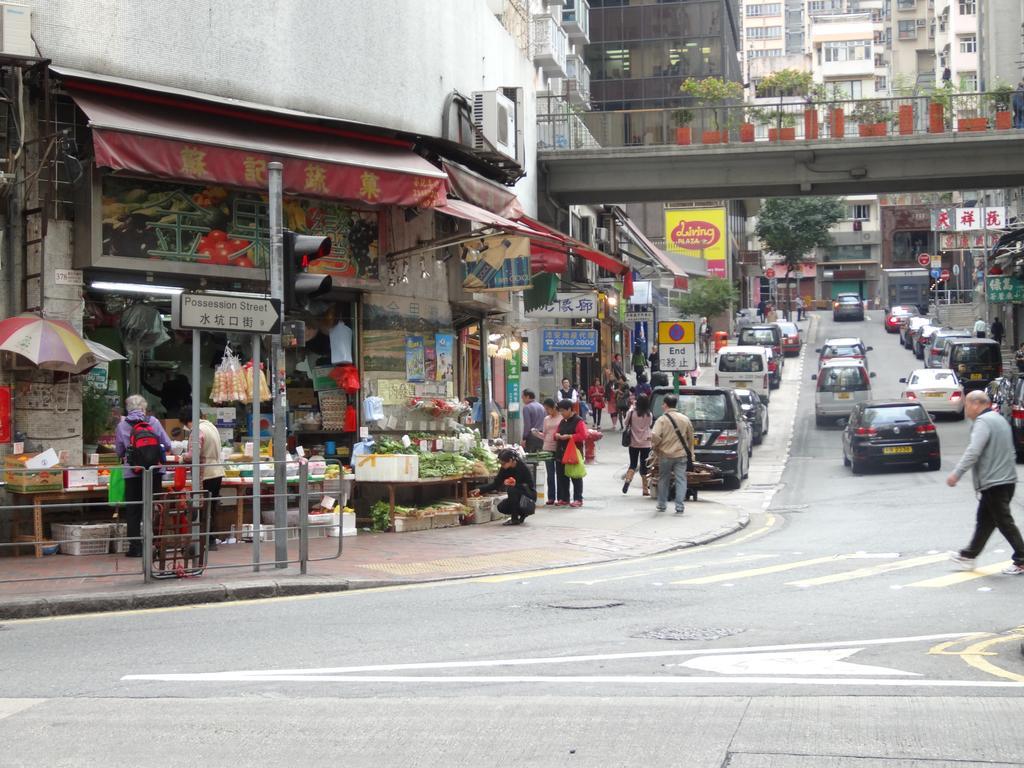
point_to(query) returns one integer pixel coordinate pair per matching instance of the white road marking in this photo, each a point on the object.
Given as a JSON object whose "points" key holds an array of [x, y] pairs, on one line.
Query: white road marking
{"points": [[824, 662], [10, 707]]}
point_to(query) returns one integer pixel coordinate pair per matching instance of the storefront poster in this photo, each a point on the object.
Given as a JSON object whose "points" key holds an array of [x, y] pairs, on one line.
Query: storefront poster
{"points": [[513, 374], [578, 340], [1003, 290], [217, 226], [698, 232], [444, 345], [502, 263], [570, 305], [547, 365], [415, 359]]}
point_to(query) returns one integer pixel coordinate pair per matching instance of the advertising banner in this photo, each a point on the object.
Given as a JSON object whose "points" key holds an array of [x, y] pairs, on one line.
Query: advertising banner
{"points": [[502, 263], [415, 359], [579, 340], [698, 232], [569, 304]]}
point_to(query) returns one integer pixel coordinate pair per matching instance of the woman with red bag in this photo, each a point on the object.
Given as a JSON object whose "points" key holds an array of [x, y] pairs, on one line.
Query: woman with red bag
{"points": [[596, 395], [571, 435]]}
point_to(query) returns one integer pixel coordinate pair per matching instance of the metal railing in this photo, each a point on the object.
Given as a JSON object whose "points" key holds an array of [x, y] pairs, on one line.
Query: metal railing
{"points": [[174, 522], [781, 120]]}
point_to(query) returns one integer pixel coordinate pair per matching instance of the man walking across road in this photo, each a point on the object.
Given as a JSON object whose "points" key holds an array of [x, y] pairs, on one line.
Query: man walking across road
{"points": [[991, 457], [980, 328], [672, 443]]}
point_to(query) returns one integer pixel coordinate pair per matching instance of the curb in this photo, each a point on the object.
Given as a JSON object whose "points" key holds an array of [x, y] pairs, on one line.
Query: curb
{"points": [[258, 589]]}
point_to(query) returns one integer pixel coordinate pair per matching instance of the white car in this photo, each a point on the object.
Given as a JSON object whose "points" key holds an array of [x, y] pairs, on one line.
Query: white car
{"points": [[937, 389]]}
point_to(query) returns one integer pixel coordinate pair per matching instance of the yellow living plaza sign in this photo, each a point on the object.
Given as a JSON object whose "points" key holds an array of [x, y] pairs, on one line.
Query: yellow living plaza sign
{"points": [[698, 232]]}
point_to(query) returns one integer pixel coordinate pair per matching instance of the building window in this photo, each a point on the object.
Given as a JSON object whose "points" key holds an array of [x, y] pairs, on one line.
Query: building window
{"points": [[764, 9], [881, 84], [908, 30], [848, 253], [969, 44], [764, 53], [845, 89], [969, 82], [824, 6], [968, 7], [764, 33], [860, 212], [847, 50], [906, 5]]}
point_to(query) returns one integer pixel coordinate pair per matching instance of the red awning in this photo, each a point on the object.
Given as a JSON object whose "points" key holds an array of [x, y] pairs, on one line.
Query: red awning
{"points": [[180, 144], [469, 212], [482, 192], [603, 260]]}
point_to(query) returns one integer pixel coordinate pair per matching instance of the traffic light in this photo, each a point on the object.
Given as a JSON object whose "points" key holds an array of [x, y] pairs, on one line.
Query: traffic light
{"points": [[299, 285]]}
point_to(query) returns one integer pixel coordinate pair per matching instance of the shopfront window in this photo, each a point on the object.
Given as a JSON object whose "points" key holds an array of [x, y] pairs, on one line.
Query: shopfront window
{"points": [[907, 245]]}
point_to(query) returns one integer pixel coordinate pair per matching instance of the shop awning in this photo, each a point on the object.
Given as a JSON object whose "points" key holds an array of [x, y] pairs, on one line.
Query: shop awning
{"points": [[682, 280], [475, 189], [469, 212], [603, 260], [152, 137]]}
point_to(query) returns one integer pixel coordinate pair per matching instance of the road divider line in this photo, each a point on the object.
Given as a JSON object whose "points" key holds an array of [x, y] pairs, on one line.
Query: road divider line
{"points": [[873, 570], [960, 577], [751, 572], [672, 568]]}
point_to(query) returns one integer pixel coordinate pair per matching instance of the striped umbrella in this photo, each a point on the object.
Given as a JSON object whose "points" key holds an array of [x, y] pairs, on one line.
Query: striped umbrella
{"points": [[51, 344]]}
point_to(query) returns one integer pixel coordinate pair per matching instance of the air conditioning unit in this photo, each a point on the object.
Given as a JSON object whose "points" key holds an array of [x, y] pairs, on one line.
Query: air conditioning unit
{"points": [[922, 23], [16, 30], [494, 115], [601, 235]]}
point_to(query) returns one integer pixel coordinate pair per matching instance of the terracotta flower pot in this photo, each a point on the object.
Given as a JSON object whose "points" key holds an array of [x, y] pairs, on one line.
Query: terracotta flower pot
{"points": [[906, 112], [872, 129], [781, 134], [810, 123], [747, 132], [1004, 120], [714, 137], [936, 118], [837, 123], [970, 124], [683, 134]]}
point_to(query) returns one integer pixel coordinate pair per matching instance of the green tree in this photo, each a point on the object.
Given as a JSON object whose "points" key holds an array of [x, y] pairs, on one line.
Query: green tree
{"points": [[712, 92], [792, 227], [709, 296]]}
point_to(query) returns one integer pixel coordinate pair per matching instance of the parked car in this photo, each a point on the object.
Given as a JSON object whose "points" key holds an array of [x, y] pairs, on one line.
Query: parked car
{"points": [[976, 361], [922, 339], [908, 327], [937, 345], [842, 383], [791, 338], [722, 434], [1007, 394], [765, 336], [890, 432], [843, 347], [937, 389], [744, 368], [848, 306], [756, 412], [891, 323]]}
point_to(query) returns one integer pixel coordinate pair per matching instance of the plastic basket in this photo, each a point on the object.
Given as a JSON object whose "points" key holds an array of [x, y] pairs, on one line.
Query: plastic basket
{"points": [[88, 539]]}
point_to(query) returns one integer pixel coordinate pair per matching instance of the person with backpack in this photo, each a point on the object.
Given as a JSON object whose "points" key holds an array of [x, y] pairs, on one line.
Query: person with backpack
{"points": [[143, 445], [622, 403]]}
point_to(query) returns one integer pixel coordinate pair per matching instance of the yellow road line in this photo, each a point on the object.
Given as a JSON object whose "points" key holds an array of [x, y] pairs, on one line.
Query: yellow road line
{"points": [[872, 570], [671, 569], [751, 572], [958, 578], [974, 656]]}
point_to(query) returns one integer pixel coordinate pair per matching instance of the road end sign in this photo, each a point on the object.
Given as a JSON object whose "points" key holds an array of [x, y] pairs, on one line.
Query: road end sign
{"points": [[225, 312], [924, 259], [677, 345]]}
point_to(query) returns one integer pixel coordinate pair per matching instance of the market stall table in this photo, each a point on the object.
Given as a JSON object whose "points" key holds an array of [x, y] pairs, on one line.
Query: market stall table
{"points": [[460, 484], [68, 497]]}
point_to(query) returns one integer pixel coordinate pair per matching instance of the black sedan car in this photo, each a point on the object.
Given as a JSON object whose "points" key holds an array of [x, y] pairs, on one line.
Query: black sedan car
{"points": [[848, 306], [721, 433], [884, 432], [756, 412]]}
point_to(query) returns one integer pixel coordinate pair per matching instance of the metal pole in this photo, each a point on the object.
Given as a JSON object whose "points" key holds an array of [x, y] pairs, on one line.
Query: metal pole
{"points": [[194, 437], [147, 525], [304, 517], [485, 381], [277, 365], [256, 484]]}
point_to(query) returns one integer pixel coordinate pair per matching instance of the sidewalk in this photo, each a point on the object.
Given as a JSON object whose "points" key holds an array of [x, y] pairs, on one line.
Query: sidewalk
{"points": [[610, 526]]}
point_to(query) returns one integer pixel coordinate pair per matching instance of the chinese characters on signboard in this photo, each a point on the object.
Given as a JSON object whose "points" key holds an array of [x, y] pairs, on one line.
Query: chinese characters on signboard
{"points": [[968, 219], [951, 241], [579, 340], [1002, 289], [573, 304]]}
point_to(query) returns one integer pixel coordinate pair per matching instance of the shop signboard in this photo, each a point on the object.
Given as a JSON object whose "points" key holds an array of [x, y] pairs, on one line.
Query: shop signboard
{"points": [[1002, 289], [698, 232], [969, 219], [569, 305], [962, 241], [639, 314], [500, 263], [225, 312], [677, 345], [579, 340], [211, 230], [513, 373]]}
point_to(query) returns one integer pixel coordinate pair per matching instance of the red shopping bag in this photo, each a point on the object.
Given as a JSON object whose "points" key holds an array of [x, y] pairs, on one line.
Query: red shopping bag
{"points": [[572, 453]]}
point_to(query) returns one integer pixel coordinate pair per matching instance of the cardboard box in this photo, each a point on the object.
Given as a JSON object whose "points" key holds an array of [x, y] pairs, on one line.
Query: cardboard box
{"points": [[393, 468], [20, 479], [301, 396]]}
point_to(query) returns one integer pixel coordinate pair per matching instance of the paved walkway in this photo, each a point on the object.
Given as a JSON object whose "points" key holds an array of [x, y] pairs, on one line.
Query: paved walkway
{"points": [[610, 526]]}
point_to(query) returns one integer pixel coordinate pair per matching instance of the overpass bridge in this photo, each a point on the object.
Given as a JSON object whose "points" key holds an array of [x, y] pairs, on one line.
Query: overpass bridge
{"points": [[631, 156]]}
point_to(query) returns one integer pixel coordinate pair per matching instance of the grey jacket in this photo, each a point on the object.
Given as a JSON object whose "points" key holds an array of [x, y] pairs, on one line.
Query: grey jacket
{"points": [[990, 453]]}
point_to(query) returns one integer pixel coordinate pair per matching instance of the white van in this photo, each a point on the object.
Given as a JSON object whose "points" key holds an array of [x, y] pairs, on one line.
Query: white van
{"points": [[842, 383], [743, 367]]}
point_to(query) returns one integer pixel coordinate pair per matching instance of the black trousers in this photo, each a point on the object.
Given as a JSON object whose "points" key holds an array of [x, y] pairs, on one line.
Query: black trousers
{"points": [[212, 487], [133, 510], [638, 456], [510, 506], [994, 513], [563, 484]]}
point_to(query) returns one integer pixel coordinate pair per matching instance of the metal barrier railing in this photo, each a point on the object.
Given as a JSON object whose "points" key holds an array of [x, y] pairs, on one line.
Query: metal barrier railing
{"points": [[174, 520], [782, 119]]}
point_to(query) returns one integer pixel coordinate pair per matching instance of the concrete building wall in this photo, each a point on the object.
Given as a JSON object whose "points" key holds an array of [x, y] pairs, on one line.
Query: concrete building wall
{"points": [[1000, 42]]}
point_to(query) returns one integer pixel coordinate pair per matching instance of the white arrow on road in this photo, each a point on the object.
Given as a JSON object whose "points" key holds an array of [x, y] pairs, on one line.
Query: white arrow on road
{"points": [[826, 662]]}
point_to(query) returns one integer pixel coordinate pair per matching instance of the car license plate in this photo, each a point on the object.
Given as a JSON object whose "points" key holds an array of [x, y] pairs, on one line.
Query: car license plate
{"points": [[696, 441], [935, 394], [898, 449], [975, 376], [842, 395], [740, 384]]}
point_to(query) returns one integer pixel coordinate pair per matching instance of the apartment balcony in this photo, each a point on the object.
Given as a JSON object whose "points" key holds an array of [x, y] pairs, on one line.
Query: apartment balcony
{"points": [[550, 45], [576, 21], [839, 69], [577, 83]]}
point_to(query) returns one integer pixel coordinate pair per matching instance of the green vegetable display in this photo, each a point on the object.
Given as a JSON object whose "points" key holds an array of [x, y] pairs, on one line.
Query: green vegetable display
{"points": [[444, 465], [380, 512], [490, 461]]}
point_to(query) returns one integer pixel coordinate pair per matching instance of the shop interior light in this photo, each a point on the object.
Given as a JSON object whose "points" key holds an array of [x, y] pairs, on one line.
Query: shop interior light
{"points": [[494, 337], [613, 301], [492, 349], [424, 274], [515, 345], [405, 272], [161, 290]]}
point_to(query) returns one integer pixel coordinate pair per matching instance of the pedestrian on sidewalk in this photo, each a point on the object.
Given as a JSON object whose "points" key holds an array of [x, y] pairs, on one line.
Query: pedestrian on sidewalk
{"points": [[639, 421], [596, 397], [654, 359], [980, 326], [639, 361], [617, 369], [1018, 358], [672, 444], [991, 457], [997, 331], [642, 386], [211, 469], [799, 308], [610, 390], [516, 480], [572, 427], [695, 374], [1017, 102], [622, 403], [570, 393], [551, 421], [584, 407], [533, 422], [137, 409]]}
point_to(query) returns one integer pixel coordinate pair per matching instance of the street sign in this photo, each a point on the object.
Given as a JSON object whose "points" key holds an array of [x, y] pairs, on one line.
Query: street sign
{"points": [[769, 273], [225, 312], [936, 261], [944, 275], [924, 259], [956, 270], [935, 273], [677, 345]]}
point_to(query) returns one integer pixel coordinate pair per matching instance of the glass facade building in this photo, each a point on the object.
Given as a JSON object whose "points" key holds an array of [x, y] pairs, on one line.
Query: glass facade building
{"points": [[642, 50]]}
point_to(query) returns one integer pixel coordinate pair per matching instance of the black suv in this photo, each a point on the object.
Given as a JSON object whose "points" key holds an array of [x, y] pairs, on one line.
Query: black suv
{"points": [[890, 432], [721, 433], [769, 336], [848, 306], [1007, 395]]}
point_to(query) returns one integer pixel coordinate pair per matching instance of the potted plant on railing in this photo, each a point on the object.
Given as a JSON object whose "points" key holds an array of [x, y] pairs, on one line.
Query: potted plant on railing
{"points": [[682, 119], [713, 92], [872, 117], [999, 101], [746, 126], [781, 125], [940, 106], [787, 83]]}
